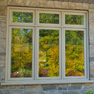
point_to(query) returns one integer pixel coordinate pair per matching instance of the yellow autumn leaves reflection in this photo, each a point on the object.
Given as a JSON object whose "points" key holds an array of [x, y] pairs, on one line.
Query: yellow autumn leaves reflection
{"points": [[21, 46], [74, 53], [74, 61], [48, 53], [21, 53]]}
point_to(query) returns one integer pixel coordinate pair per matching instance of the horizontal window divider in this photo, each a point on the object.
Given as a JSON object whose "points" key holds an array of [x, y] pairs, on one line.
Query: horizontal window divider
{"points": [[21, 27], [24, 25], [48, 78], [36, 26], [74, 27], [73, 77], [49, 26]]}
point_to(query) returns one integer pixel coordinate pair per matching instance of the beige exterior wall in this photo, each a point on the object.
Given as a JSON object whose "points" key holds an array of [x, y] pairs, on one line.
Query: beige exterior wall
{"points": [[44, 89]]}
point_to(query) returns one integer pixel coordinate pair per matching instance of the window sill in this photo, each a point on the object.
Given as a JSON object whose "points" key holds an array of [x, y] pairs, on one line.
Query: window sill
{"points": [[47, 82]]}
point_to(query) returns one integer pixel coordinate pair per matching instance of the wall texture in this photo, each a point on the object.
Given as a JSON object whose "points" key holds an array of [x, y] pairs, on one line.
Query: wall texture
{"points": [[44, 89]]}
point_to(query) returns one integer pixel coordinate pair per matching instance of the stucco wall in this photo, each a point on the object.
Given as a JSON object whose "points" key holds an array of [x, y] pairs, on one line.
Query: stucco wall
{"points": [[44, 89]]}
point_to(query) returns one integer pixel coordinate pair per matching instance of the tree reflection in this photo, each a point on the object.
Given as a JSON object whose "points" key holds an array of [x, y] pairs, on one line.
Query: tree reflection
{"points": [[21, 47], [24, 17], [49, 18], [74, 19], [21, 53], [49, 53], [74, 53]]}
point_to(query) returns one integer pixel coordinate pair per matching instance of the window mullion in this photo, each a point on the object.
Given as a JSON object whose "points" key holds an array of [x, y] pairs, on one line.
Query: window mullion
{"points": [[63, 53], [36, 46]]}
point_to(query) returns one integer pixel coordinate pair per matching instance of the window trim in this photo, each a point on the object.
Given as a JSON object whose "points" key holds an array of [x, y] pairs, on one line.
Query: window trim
{"points": [[20, 23], [74, 25], [35, 25], [9, 55], [37, 54], [85, 63], [48, 24]]}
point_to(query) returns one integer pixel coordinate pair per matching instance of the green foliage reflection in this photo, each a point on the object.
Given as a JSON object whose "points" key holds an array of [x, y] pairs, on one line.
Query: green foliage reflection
{"points": [[24, 17], [74, 53], [49, 18], [74, 19], [48, 53], [21, 53]]}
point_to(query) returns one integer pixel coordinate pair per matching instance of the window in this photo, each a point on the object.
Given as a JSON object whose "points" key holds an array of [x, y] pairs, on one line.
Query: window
{"points": [[46, 45]]}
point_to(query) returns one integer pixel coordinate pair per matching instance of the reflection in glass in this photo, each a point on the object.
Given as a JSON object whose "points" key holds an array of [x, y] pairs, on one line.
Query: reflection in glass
{"points": [[49, 18], [21, 53], [74, 19], [23, 17], [48, 53], [74, 53]]}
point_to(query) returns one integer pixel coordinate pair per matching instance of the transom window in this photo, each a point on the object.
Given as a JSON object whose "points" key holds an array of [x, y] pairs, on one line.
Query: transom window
{"points": [[46, 44]]}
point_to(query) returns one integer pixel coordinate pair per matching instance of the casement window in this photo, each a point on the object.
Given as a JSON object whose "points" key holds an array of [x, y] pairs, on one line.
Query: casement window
{"points": [[45, 44]]}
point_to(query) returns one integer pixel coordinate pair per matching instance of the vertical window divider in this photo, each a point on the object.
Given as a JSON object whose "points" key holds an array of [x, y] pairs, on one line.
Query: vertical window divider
{"points": [[9, 59], [36, 46], [37, 53], [60, 53], [63, 52], [33, 54], [87, 51], [34, 50], [63, 45]]}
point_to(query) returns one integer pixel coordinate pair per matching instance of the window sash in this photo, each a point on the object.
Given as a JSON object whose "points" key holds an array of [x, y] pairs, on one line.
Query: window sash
{"points": [[21, 23], [74, 25], [85, 62], [37, 54], [9, 51], [48, 24]]}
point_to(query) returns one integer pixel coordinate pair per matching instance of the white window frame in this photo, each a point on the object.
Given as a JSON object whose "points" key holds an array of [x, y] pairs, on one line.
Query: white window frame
{"points": [[37, 53], [48, 24], [74, 25], [9, 60], [85, 64], [20, 23], [36, 26]]}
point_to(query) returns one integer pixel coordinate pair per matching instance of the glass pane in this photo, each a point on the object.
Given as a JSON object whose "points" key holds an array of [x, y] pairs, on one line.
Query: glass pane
{"points": [[21, 53], [74, 19], [74, 53], [48, 53], [49, 18], [23, 17]]}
